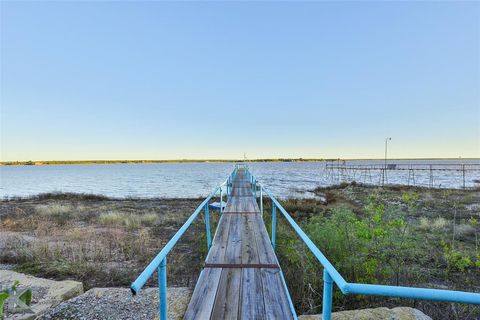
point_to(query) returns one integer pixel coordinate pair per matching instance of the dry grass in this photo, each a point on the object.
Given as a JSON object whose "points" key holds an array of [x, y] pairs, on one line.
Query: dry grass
{"points": [[128, 220], [54, 209], [101, 242], [436, 224], [60, 213], [465, 230]]}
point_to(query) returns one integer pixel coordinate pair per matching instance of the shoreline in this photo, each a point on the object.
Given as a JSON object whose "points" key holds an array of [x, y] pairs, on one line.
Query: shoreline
{"points": [[72, 162], [98, 196]]}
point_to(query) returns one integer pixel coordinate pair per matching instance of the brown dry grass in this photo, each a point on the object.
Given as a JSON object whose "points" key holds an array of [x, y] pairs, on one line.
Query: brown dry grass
{"points": [[102, 242]]}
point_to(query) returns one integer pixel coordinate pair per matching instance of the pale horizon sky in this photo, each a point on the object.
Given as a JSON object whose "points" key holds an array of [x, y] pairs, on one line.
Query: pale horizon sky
{"points": [[215, 80]]}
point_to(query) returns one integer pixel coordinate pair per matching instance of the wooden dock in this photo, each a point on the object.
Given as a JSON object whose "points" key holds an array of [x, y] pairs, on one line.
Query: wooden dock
{"points": [[241, 278]]}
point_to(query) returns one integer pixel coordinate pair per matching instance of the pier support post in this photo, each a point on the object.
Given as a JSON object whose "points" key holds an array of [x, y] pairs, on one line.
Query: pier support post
{"points": [[327, 296], [162, 287], [207, 225], [274, 224]]}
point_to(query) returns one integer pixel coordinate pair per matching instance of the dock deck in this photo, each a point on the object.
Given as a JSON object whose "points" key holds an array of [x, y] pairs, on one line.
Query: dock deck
{"points": [[241, 278]]}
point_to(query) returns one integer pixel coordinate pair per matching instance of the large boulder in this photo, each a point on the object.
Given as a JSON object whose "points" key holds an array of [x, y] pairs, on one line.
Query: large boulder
{"points": [[399, 313], [119, 303], [46, 293]]}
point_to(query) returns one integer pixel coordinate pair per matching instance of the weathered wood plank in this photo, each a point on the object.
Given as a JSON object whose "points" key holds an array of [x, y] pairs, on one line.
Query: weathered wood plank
{"points": [[234, 243], [274, 295], [264, 245], [249, 242], [242, 191], [228, 295], [203, 298], [241, 204], [252, 303], [219, 246]]}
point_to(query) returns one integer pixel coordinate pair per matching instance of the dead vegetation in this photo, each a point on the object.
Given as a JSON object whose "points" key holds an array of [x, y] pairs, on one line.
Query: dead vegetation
{"points": [[100, 241]]}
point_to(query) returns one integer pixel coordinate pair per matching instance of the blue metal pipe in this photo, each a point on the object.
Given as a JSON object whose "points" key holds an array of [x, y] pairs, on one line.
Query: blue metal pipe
{"points": [[413, 293], [207, 226], [274, 224], [221, 201], [162, 286], [341, 283], [153, 265], [327, 296], [261, 201]]}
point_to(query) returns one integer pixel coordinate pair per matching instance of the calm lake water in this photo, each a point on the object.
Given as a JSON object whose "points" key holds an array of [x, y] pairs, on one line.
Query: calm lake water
{"points": [[285, 179]]}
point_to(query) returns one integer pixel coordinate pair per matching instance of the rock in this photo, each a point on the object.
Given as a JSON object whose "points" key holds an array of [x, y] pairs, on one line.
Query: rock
{"points": [[321, 197], [46, 293], [398, 313], [474, 207], [119, 303]]}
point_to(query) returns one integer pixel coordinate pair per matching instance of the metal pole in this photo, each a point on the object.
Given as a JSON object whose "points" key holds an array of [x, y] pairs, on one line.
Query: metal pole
{"points": [[162, 286], [274, 223], [261, 201], [207, 225], [463, 169], [431, 177], [385, 167], [327, 296], [386, 146], [221, 201]]}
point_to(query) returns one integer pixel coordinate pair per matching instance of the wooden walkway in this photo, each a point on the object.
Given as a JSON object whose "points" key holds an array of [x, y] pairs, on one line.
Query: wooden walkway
{"points": [[241, 278]]}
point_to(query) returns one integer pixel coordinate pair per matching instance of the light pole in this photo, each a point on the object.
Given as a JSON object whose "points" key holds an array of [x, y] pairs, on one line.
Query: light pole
{"points": [[385, 167]]}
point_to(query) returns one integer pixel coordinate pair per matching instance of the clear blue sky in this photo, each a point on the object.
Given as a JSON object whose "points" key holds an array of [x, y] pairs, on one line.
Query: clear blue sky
{"points": [[165, 80]]}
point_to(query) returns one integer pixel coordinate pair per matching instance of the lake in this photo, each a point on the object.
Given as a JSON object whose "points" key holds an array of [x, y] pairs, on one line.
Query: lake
{"points": [[285, 179]]}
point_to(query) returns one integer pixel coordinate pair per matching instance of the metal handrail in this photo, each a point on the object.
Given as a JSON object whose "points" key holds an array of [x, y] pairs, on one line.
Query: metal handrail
{"points": [[332, 275], [159, 263]]}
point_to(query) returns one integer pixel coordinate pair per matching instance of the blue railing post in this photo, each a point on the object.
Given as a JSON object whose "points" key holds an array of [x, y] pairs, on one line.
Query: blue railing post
{"points": [[229, 185], [221, 201], [162, 287], [207, 225], [261, 201], [327, 296], [274, 223]]}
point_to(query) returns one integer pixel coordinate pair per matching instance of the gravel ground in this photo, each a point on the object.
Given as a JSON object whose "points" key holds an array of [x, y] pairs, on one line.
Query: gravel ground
{"points": [[118, 303]]}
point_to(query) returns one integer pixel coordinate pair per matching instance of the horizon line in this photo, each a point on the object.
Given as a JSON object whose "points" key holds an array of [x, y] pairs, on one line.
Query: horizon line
{"points": [[114, 161]]}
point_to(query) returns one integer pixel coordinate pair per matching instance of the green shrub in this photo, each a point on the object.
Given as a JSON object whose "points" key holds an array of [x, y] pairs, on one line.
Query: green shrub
{"points": [[456, 259]]}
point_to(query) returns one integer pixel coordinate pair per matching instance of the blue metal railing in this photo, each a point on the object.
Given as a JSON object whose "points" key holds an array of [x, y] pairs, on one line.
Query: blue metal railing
{"points": [[159, 263], [331, 275]]}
